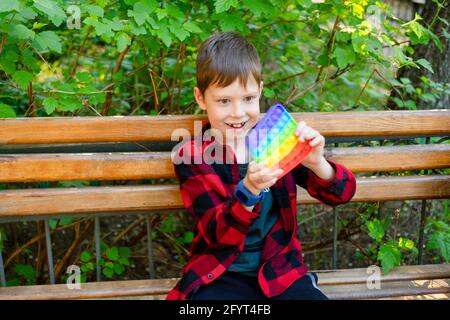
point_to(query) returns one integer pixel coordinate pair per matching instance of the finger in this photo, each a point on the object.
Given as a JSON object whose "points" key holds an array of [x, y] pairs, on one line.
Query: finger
{"points": [[311, 135], [300, 127], [265, 176], [273, 174], [303, 134], [316, 141]]}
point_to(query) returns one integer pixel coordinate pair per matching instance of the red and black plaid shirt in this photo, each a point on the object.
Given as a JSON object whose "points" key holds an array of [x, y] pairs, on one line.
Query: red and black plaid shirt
{"points": [[222, 222]]}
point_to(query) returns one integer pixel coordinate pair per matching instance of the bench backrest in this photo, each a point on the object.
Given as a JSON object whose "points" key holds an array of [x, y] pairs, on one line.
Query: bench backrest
{"points": [[19, 167], [138, 148]]}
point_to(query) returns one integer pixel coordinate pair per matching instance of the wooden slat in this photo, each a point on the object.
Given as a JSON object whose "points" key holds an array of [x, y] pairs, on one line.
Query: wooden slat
{"points": [[388, 289], [400, 273], [372, 159], [130, 288], [160, 128], [396, 188], [55, 201], [401, 281], [94, 129], [435, 296], [155, 165], [86, 166]]}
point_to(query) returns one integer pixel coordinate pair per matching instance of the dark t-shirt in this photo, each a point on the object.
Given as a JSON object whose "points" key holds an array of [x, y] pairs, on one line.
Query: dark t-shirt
{"points": [[248, 261]]}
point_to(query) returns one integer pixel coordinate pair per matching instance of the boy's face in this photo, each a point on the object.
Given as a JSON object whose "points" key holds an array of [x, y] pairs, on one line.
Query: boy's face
{"points": [[233, 110]]}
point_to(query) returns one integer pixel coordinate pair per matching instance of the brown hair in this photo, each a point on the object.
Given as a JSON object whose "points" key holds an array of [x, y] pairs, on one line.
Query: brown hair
{"points": [[225, 56]]}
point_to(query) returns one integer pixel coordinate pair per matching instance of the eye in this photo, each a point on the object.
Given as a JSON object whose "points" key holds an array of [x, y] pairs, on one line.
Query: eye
{"points": [[249, 98], [223, 101]]}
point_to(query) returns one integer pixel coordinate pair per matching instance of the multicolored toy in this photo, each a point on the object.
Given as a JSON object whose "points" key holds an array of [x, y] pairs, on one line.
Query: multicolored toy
{"points": [[273, 141]]}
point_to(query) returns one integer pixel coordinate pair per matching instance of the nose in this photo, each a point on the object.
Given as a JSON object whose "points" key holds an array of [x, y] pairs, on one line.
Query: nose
{"points": [[237, 110]]}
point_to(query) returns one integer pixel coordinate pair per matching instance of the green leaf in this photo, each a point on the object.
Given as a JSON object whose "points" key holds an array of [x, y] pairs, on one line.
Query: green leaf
{"points": [[29, 14], [175, 12], [29, 60], [108, 272], [23, 78], [124, 261], [102, 28], [9, 5], [164, 35], [83, 76], [118, 268], [48, 40], [405, 243], [115, 25], [161, 13], [25, 270], [188, 237], [124, 252], [8, 61], [323, 59], [69, 104], [141, 11], [53, 223], [94, 10], [410, 105], [19, 31], [424, 63], [112, 253], [52, 10], [389, 256], [441, 242], [224, 5], [192, 27], [269, 93], [50, 105], [65, 221], [258, 7], [344, 56], [86, 256], [6, 111], [231, 22], [137, 30], [376, 230], [123, 40], [178, 30]]}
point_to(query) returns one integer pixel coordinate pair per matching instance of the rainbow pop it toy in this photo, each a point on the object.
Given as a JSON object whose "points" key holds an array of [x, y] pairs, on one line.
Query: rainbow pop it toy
{"points": [[273, 141]]}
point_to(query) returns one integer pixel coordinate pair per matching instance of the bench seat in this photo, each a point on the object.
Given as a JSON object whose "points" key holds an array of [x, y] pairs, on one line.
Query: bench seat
{"points": [[405, 282]]}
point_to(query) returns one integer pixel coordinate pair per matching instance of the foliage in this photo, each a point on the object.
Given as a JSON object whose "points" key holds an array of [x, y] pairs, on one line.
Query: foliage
{"points": [[138, 56], [438, 231], [113, 261], [384, 247]]}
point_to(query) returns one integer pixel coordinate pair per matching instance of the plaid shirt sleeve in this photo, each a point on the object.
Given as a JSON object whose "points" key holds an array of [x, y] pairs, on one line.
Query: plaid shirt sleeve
{"points": [[332, 192], [221, 218]]}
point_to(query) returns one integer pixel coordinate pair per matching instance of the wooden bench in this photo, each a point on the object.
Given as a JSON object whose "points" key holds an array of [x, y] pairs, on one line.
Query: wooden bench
{"points": [[136, 148]]}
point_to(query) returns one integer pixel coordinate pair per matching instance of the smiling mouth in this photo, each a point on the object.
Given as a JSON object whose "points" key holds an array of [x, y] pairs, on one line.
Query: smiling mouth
{"points": [[236, 125]]}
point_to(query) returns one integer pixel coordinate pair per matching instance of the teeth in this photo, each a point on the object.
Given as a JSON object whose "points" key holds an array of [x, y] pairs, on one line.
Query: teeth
{"points": [[237, 125]]}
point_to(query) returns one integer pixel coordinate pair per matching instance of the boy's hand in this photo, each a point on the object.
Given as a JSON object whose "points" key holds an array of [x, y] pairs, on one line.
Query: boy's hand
{"points": [[315, 140], [259, 177]]}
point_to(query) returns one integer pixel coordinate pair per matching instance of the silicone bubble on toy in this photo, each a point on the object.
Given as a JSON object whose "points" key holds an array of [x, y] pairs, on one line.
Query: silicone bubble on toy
{"points": [[273, 141]]}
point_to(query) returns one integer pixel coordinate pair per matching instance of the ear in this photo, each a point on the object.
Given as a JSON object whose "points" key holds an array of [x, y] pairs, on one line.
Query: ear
{"points": [[199, 98], [261, 84]]}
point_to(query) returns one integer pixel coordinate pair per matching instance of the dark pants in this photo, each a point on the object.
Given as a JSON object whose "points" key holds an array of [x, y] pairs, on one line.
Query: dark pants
{"points": [[236, 286]]}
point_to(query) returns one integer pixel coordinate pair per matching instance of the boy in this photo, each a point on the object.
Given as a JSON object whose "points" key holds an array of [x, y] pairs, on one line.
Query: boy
{"points": [[245, 247]]}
